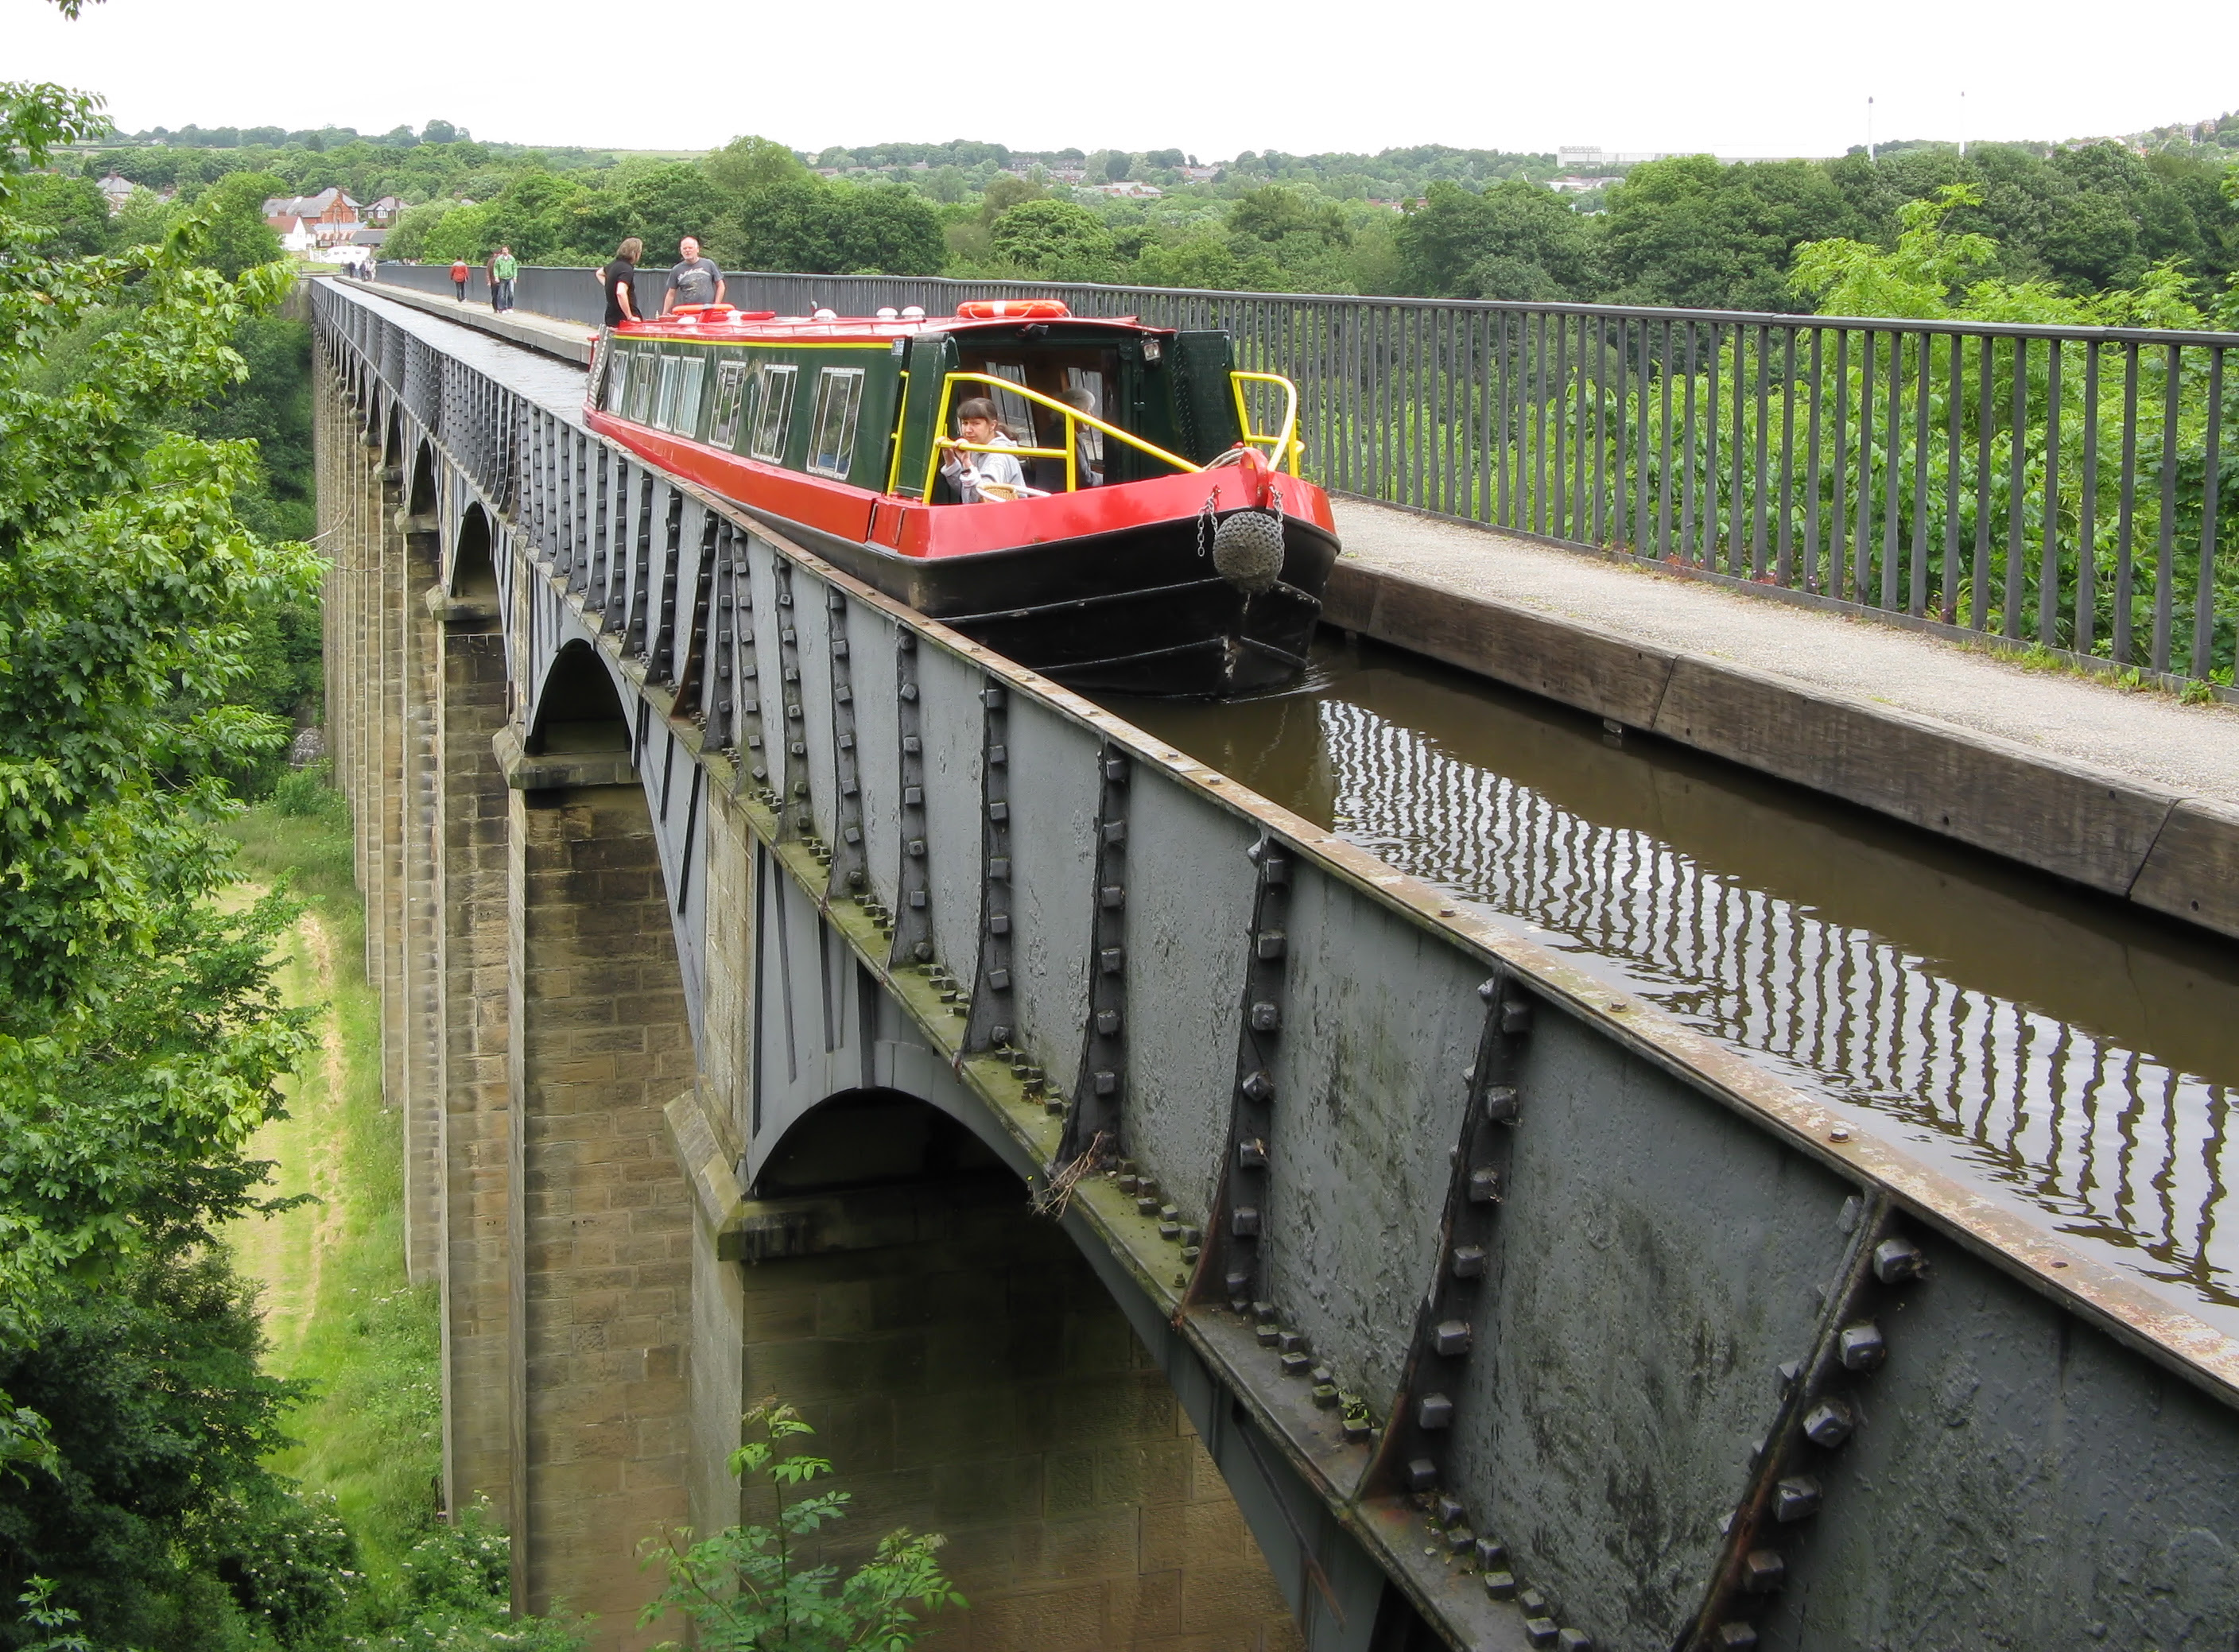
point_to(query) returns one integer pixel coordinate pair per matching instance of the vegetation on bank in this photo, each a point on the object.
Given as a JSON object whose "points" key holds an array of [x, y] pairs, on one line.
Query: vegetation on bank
{"points": [[1428, 221], [159, 1487]]}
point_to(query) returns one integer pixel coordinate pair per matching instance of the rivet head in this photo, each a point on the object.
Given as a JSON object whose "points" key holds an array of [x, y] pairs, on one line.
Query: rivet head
{"points": [[1500, 1583], [1244, 1221], [1574, 1641], [1501, 1105], [1516, 1017], [1829, 1423], [1490, 1553], [1796, 1499], [1734, 1637], [1266, 1018], [1762, 1571], [1450, 1511], [1468, 1261], [1434, 1411], [1484, 1185], [1422, 1475], [1540, 1631], [1258, 1086], [1251, 1153], [1896, 1261], [1451, 1337], [1860, 1347]]}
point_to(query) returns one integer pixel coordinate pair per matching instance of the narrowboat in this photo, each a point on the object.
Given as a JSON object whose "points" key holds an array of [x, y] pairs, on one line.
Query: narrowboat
{"points": [[1164, 542]]}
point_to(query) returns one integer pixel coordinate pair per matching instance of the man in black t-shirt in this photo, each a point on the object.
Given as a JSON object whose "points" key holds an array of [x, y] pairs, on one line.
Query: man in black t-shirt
{"points": [[617, 278], [695, 281]]}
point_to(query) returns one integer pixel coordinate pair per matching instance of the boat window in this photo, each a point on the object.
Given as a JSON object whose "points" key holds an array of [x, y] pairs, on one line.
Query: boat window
{"points": [[1089, 380], [831, 434], [773, 410], [730, 383], [686, 413], [1015, 411], [618, 364], [640, 388], [664, 408]]}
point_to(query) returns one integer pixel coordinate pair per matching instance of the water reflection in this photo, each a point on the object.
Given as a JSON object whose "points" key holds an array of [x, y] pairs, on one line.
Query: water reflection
{"points": [[2075, 1053]]}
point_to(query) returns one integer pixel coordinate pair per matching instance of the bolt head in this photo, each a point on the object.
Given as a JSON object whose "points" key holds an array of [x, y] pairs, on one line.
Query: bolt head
{"points": [[1490, 1553], [1734, 1637], [1540, 1631], [1450, 1511], [1422, 1475], [1762, 1571], [1434, 1411], [1861, 1347], [1500, 1584], [1296, 1364], [1797, 1498], [1251, 1153], [1484, 1185], [1532, 1600], [1468, 1261], [1452, 1338], [1459, 1540], [1829, 1423], [1325, 1396], [1244, 1221], [1292, 1343], [1574, 1641], [1896, 1261], [1264, 1312]]}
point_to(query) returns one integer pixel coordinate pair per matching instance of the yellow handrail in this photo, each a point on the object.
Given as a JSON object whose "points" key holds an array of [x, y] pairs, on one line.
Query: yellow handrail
{"points": [[1284, 446], [1071, 416]]}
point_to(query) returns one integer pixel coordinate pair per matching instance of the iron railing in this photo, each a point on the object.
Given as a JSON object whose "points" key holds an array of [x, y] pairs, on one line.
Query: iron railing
{"points": [[2072, 489]]}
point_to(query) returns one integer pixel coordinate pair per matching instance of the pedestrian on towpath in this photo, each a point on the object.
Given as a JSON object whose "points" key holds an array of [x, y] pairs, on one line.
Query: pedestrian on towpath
{"points": [[459, 272], [695, 281], [617, 278], [503, 268]]}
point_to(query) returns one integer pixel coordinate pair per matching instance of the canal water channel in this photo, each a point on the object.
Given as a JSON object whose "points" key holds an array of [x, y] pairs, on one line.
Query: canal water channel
{"points": [[2073, 1055]]}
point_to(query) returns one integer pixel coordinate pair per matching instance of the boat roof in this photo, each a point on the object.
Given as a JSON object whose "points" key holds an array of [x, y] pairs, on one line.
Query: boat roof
{"points": [[744, 325]]}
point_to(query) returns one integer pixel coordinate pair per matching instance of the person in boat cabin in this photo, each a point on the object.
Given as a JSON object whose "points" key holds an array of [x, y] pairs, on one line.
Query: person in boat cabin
{"points": [[980, 477], [695, 281], [1087, 444], [617, 279]]}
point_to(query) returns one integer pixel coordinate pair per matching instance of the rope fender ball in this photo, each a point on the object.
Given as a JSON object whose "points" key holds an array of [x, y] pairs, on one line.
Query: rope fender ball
{"points": [[1248, 549]]}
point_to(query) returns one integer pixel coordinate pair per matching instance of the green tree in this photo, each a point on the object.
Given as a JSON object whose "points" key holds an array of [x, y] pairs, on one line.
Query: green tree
{"points": [[1696, 232], [539, 214], [750, 1588], [823, 228], [237, 238], [1056, 240], [745, 164], [1516, 240]]}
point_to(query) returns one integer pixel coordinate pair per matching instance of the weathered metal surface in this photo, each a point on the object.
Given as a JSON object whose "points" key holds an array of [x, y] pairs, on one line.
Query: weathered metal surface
{"points": [[1551, 1440]]}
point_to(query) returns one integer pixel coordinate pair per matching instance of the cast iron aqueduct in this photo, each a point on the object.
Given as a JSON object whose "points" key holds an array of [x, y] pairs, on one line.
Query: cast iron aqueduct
{"points": [[1512, 1313]]}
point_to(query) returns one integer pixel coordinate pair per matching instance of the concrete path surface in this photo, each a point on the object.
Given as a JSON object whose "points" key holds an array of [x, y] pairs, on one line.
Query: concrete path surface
{"points": [[2146, 733]]}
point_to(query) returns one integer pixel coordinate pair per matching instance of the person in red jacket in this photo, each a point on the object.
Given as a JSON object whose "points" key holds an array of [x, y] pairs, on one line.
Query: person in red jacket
{"points": [[459, 279]]}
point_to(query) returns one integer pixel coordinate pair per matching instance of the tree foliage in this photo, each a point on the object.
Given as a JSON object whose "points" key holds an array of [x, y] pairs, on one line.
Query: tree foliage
{"points": [[752, 1589]]}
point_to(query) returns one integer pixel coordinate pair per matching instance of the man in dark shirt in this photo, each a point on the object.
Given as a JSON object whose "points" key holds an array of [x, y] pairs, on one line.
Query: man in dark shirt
{"points": [[616, 279], [695, 281]]}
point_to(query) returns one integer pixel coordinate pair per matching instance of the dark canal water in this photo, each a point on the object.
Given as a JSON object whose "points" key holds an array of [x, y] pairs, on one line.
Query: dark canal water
{"points": [[2079, 1057]]}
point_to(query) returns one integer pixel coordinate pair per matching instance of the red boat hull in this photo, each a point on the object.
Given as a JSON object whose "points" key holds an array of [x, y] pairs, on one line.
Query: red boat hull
{"points": [[1106, 589]]}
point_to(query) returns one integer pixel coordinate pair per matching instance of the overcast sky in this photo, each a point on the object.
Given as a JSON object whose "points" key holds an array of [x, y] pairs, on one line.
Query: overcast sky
{"points": [[1737, 77]]}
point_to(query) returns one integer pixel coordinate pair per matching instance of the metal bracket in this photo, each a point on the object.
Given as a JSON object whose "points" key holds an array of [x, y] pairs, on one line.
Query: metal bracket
{"points": [[912, 885], [850, 859], [994, 1022], [1816, 1416], [1410, 1457], [1100, 1093], [796, 818], [1238, 1219]]}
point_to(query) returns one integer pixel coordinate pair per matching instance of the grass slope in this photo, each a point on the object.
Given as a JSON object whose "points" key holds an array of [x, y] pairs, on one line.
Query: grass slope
{"points": [[338, 1309]]}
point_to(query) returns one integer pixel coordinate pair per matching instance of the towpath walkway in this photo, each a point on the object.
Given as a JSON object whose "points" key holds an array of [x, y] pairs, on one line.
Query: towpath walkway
{"points": [[2145, 734]]}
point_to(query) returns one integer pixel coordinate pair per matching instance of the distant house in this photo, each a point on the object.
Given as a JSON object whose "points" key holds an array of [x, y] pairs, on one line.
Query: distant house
{"points": [[116, 191], [383, 212], [296, 233], [329, 215], [1130, 190]]}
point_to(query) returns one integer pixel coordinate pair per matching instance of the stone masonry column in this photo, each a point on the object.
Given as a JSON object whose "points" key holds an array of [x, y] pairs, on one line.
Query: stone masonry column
{"points": [[470, 975], [418, 1008], [600, 1212]]}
